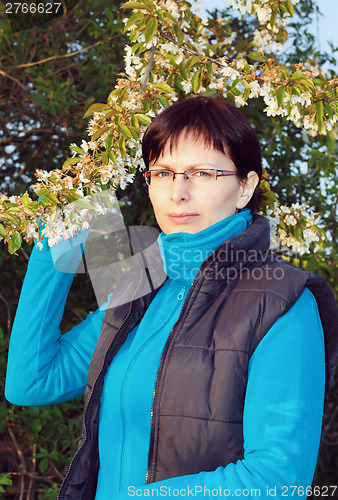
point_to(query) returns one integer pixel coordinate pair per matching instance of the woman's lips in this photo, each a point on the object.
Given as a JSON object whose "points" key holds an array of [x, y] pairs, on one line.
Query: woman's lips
{"points": [[182, 218]]}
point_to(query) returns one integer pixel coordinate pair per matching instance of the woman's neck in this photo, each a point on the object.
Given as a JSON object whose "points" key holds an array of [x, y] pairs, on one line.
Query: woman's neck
{"points": [[183, 253]]}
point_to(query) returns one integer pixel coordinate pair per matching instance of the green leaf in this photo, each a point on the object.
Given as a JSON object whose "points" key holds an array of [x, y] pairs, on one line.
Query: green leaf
{"points": [[112, 156], [246, 94], [25, 200], [135, 47], [51, 198], [136, 16], [134, 122], [284, 72], [151, 29], [143, 118], [104, 158], [280, 95], [78, 150], [84, 204], [123, 129], [14, 243], [3, 232], [100, 132], [234, 85], [319, 115], [179, 34], [109, 141], [329, 110], [4, 479], [122, 145], [108, 115], [289, 7], [68, 163], [95, 107], [147, 104], [193, 61], [72, 196], [133, 5], [295, 90], [209, 69], [149, 3], [13, 219], [298, 234], [43, 464], [273, 17], [134, 133], [43, 191], [121, 94], [163, 101], [297, 76], [160, 14], [164, 87], [183, 72], [195, 81], [257, 56], [318, 82]]}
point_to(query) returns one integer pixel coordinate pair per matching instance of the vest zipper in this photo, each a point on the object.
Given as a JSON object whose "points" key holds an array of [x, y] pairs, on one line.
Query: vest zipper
{"points": [[161, 362], [131, 364], [180, 296], [92, 390], [181, 293]]}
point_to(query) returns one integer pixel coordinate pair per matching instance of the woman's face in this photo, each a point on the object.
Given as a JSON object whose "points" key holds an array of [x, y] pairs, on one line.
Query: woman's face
{"points": [[186, 206]]}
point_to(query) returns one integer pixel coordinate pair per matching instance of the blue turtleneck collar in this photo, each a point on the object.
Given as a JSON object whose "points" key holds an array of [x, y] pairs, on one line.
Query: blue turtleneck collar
{"points": [[183, 253]]}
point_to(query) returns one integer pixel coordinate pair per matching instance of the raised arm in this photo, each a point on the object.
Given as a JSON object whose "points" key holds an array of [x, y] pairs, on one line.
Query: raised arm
{"points": [[45, 367]]}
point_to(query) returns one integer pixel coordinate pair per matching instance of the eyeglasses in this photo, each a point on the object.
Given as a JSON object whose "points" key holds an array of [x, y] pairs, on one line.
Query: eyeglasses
{"points": [[194, 175]]}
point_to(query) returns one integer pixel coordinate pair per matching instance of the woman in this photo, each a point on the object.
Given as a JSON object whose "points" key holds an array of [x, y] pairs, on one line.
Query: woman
{"points": [[213, 383]]}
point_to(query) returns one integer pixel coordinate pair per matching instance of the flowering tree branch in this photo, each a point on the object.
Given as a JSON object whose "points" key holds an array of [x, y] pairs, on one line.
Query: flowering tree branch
{"points": [[181, 61]]}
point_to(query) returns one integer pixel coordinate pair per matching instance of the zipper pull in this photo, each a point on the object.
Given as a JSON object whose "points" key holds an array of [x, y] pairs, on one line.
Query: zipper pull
{"points": [[181, 293]]}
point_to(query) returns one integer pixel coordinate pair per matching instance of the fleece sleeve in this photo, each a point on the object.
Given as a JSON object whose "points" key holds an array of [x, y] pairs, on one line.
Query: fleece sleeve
{"points": [[45, 367], [282, 418]]}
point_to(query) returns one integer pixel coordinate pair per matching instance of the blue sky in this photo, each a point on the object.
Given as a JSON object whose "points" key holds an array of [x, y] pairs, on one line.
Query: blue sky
{"points": [[325, 27]]}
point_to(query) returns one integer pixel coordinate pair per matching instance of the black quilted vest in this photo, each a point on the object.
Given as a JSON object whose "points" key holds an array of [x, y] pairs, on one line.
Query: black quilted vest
{"points": [[240, 292]]}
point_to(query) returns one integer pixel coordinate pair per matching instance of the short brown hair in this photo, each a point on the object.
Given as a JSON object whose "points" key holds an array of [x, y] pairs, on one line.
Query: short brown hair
{"points": [[222, 126]]}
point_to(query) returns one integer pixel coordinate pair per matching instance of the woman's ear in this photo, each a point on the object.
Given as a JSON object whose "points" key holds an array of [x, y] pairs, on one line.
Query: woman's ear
{"points": [[247, 189]]}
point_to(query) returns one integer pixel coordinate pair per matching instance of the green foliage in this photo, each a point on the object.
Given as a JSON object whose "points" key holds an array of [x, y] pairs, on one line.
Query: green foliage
{"points": [[50, 74], [41, 109], [4, 480], [37, 441]]}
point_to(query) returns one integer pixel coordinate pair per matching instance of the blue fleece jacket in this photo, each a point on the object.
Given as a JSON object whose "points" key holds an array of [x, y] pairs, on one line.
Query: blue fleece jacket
{"points": [[283, 407]]}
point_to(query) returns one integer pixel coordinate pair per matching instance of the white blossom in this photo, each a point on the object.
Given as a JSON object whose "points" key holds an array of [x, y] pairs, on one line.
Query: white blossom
{"points": [[255, 88], [290, 220], [187, 86], [240, 101]]}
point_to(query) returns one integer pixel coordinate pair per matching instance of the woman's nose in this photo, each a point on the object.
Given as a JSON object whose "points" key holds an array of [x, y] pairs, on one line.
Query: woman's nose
{"points": [[180, 189]]}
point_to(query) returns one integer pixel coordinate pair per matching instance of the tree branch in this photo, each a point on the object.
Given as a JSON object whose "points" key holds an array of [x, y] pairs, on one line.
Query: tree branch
{"points": [[22, 459], [8, 312], [30, 492], [202, 56], [6, 75], [27, 65], [148, 68]]}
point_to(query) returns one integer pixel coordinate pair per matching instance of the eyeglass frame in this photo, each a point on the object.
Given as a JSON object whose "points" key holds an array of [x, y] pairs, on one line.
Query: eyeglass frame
{"points": [[223, 173]]}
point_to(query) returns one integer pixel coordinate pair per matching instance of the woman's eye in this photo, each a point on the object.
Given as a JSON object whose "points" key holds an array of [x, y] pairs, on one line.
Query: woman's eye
{"points": [[201, 173], [163, 173]]}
